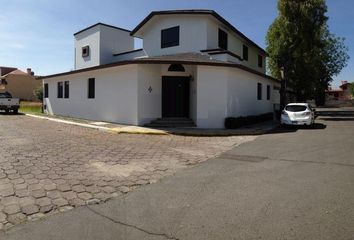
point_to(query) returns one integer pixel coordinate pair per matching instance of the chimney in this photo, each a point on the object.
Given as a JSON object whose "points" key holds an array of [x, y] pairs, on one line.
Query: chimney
{"points": [[29, 72]]}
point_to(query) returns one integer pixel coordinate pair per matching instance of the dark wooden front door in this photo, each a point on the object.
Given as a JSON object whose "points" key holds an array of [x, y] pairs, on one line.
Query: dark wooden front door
{"points": [[175, 97]]}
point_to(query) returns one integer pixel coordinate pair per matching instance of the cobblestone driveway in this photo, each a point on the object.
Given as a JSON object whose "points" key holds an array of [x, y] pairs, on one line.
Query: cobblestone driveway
{"points": [[47, 167]]}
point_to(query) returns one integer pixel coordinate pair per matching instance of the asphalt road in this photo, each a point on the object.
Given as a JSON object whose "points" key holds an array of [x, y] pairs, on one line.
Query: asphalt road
{"points": [[288, 184]]}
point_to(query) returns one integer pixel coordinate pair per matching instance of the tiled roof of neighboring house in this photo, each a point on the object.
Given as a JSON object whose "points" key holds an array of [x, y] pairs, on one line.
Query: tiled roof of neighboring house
{"points": [[198, 12], [15, 72], [184, 58], [6, 70], [102, 24], [334, 90]]}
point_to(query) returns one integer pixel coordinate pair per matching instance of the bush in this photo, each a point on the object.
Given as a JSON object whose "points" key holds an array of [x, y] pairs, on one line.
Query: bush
{"points": [[38, 93], [233, 123]]}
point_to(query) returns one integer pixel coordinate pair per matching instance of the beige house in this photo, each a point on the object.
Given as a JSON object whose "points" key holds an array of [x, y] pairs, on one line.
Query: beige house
{"points": [[18, 83]]}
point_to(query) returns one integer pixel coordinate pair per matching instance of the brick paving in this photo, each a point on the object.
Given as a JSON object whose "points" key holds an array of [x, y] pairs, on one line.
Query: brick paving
{"points": [[48, 167]]}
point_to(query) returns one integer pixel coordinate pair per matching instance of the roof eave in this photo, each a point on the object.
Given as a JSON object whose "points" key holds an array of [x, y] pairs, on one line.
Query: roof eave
{"points": [[144, 61]]}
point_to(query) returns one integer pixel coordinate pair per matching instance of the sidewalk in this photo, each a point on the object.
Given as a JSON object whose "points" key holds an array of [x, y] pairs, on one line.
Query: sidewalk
{"points": [[256, 129]]}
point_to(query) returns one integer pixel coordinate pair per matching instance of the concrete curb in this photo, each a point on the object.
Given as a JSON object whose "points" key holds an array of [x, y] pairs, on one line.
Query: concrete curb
{"points": [[150, 131], [125, 130], [69, 122]]}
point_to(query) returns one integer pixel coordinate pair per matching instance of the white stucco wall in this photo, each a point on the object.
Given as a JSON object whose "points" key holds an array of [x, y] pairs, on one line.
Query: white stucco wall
{"points": [[90, 37], [229, 92], [114, 41], [235, 45], [211, 96], [122, 94], [242, 94], [193, 32], [150, 103], [103, 42], [115, 99]]}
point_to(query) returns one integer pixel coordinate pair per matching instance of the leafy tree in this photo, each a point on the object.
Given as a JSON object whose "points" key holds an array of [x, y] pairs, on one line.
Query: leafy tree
{"points": [[38, 93], [299, 41], [351, 89]]}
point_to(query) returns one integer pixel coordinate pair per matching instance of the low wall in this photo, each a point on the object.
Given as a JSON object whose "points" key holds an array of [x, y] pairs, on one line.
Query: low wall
{"points": [[339, 103]]}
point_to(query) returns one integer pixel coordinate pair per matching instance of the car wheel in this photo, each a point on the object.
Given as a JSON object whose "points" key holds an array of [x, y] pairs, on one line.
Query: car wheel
{"points": [[16, 111]]}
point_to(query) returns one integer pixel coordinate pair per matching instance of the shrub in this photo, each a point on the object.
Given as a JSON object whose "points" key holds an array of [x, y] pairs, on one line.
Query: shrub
{"points": [[233, 123], [38, 93]]}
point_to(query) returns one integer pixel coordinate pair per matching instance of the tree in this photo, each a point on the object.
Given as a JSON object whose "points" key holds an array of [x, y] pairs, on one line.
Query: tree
{"points": [[38, 93], [351, 89], [299, 41]]}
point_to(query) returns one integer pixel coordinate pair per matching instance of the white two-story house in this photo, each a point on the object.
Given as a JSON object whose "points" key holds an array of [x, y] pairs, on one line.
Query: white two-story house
{"points": [[193, 65]]}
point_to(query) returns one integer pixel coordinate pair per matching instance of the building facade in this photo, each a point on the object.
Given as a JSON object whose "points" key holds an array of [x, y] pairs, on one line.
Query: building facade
{"points": [[193, 65], [18, 83]]}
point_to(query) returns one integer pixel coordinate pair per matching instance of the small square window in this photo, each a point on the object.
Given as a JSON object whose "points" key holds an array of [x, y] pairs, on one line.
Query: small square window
{"points": [[86, 51]]}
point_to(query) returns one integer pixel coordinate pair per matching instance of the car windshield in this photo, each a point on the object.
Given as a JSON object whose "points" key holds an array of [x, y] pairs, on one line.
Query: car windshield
{"points": [[295, 108], [5, 95]]}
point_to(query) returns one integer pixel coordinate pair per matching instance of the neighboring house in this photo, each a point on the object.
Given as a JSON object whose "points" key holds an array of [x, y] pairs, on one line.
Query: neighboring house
{"points": [[193, 65], [341, 93], [20, 84]]}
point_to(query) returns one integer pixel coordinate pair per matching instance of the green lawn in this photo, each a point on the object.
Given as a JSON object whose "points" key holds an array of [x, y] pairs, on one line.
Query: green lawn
{"points": [[30, 107]]}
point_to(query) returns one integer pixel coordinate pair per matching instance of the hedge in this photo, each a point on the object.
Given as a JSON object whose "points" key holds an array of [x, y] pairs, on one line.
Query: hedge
{"points": [[233, 123]]}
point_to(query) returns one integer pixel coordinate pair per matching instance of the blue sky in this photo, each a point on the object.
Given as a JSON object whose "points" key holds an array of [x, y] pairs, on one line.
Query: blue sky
{"points": [[39, 33]]}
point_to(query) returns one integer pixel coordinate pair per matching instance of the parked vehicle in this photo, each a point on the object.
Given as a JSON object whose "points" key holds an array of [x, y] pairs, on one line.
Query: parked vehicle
{"points": [[7, 103], [298, 114]]}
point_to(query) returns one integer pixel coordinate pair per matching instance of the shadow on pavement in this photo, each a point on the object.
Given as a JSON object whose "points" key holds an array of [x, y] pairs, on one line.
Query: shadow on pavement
{"points": [[10, 114], [338, 119], [335, 113], [290, 129]]}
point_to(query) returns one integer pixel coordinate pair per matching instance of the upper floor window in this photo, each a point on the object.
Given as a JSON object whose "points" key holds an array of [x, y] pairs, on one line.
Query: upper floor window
{"points": [[170, 37], [245, 52], [91, 88], [222, 39], [46, 90], [260, 61], [85, 51], [60, 89]]}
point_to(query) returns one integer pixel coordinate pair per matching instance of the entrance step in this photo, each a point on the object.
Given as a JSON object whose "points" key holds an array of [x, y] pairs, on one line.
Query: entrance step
{"points": [[171, 123]]}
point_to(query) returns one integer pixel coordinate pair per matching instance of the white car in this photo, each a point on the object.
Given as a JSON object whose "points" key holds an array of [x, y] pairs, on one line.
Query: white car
{"points": [[298, 114]]}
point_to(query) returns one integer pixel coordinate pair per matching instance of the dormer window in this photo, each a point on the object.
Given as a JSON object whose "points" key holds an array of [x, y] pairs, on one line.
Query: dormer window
{"points": [[170, 37], [222, 39], [86, 51]]}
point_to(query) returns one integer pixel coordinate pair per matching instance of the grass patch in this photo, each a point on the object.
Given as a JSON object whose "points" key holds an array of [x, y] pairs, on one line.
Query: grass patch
{"points": [[30, 107]]}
